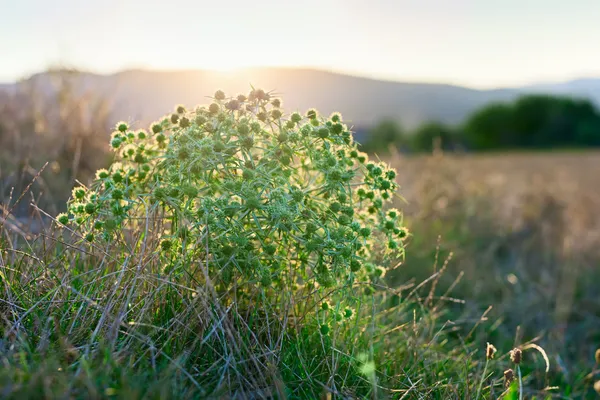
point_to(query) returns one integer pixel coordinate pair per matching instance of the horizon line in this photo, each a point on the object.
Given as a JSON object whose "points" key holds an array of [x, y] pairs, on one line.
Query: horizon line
{"points": [[348, 73]]}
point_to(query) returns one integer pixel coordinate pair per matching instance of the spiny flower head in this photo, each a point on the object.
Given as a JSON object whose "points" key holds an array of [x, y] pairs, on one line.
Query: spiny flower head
{"points": [[62, 218], [122, 126], [219, 95], [79, 193]]}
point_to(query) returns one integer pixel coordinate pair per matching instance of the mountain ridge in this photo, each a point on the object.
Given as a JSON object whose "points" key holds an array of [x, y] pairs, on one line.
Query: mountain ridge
{"points": [[144, 95]]}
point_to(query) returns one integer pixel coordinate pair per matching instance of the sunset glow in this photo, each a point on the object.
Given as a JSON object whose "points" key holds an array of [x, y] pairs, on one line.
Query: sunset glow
{"points": [[475, 43]]}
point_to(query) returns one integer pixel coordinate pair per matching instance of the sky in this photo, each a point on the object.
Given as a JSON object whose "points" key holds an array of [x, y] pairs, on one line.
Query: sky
{"points": [[476, 43]]}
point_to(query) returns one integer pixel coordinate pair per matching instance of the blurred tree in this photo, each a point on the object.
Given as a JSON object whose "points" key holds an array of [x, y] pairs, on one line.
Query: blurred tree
{"points": [[426, 136], [490, 127], [385, 135], [534, 122]]}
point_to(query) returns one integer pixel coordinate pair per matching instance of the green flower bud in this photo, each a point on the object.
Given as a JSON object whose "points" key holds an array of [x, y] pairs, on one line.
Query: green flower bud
{"points": [[156, 128], [365, 232], [122, 126], [90, 208], [323, 133], [62, 218], [116, 143], [283, 137]]}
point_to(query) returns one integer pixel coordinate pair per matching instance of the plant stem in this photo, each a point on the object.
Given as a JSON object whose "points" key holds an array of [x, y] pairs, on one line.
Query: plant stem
{"points": [[482, 378], [520, 383]]}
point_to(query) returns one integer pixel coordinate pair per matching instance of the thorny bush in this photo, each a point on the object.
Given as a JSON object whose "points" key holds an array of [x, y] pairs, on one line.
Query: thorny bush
{"points": [[250, 196]]}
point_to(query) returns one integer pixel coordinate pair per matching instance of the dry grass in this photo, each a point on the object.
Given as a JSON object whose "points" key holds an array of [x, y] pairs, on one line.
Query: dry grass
{"points": [[525, 232]]}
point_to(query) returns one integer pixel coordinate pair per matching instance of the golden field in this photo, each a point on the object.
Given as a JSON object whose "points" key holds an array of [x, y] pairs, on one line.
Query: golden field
{"points": [[524, 233]]}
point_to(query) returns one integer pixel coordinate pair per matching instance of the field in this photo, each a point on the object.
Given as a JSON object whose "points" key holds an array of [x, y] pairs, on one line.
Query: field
{"points": [[503, 249], [524, 233]]}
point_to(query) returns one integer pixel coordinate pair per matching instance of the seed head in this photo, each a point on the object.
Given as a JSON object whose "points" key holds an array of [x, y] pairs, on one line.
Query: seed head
{"points": [[515, 355], [509, 376], [312, 113], [598, 356], [219, 95], [490, 351], [336, 117], [261, 95], [295, 117], [213, 108], [174, 118], [276, 114], [276, 103], [184, 122], [241, 98], [233, 105], [262, 116], [180, 109]]}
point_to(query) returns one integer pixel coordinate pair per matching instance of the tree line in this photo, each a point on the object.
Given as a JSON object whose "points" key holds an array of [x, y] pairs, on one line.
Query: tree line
{"points": [[529, 122]]}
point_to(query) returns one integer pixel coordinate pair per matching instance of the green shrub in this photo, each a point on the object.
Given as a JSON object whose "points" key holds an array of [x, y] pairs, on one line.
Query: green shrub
{"points": [[267, 211], [256, 196]]}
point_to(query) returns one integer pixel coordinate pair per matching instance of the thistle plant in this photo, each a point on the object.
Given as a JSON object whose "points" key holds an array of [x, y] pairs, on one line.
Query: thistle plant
{"points": [[258, 198]]}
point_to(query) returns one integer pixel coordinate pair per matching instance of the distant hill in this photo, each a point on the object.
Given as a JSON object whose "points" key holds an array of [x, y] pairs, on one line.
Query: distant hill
{"points": [[143, 96]]}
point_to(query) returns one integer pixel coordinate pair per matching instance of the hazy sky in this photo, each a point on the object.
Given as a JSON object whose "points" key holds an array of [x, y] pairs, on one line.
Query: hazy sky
{"points": [[481, 43]]}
